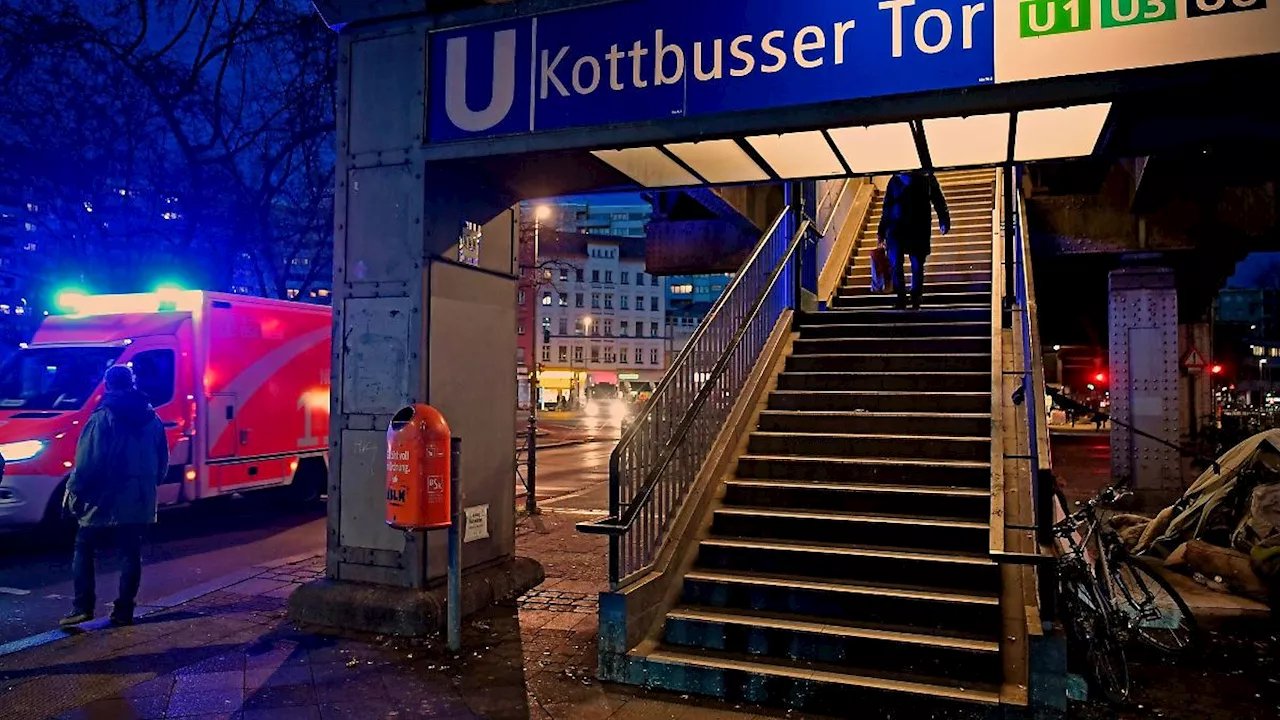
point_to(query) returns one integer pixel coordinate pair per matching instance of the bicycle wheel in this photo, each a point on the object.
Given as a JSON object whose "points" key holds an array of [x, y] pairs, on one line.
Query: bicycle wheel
{"points": [[1154, 610], [1090, 628]]}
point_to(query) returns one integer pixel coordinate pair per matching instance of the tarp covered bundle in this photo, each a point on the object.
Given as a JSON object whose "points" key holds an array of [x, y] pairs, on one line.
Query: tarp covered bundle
{"points": [[1235, 505]]}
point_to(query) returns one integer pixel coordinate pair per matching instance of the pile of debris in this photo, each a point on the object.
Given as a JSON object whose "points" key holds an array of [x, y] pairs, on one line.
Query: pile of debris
{"points": [[1225, 531]]}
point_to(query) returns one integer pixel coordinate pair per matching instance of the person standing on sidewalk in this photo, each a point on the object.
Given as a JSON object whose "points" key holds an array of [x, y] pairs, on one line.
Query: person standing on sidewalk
{"points": [[121, 458], [906, 228]]}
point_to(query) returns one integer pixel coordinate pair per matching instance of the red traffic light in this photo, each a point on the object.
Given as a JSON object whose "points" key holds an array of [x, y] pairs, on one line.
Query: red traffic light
{"points": [[1100, 377], [1216, 369]]}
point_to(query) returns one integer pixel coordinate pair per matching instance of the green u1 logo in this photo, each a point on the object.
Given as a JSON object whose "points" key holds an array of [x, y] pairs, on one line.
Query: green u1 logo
{"points": [[1054, 17], [1117, 13]]}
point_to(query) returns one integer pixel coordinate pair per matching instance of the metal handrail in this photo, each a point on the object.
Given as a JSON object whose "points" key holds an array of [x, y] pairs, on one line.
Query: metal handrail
{"points": [[658, 460], [614, 526], [692, 342]]}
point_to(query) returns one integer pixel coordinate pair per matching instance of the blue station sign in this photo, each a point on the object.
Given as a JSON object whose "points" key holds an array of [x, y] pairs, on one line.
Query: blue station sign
{"points": [[646, 60], [652, 59]]}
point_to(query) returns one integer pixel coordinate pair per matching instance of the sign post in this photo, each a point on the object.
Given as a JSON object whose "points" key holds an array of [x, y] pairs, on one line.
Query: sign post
{"points": [[454, 603]]}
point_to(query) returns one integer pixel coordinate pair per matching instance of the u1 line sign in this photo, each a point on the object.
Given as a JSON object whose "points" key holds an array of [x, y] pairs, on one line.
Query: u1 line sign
{"points": [[645, 60]]}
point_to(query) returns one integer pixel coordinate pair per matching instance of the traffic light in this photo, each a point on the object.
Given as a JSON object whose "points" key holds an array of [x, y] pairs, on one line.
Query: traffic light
{"points": [[1216, 369], [1100, 377]]}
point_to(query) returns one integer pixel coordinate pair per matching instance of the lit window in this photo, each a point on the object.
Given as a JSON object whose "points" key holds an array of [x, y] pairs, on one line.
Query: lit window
{"points": [[563, 353], [519, 328], [292, 293], [88, 206], [653, 329], [29, 247], [546, 298], [685, 289], [324, 293], [32, 207], [564, 300], [1257, 350], [564, 274], [29, 227]]}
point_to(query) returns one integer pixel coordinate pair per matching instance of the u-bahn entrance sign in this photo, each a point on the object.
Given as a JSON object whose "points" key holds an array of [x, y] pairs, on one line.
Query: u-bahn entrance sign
{"points": [[645, 60]]}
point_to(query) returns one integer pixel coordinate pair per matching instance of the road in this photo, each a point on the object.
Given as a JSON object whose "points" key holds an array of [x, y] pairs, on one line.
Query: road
{"points": [[192, 546], [1082, 461]]}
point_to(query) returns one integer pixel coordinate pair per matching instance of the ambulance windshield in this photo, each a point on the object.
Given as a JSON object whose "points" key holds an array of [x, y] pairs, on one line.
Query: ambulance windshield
{"points": [[53, 378]]}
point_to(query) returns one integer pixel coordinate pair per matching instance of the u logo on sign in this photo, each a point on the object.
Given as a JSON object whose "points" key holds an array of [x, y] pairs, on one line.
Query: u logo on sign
{"points": [[503, 88]]}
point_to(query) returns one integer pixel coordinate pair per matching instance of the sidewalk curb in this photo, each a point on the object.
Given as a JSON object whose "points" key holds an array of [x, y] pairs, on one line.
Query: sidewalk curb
{"points": [[158, 605]]}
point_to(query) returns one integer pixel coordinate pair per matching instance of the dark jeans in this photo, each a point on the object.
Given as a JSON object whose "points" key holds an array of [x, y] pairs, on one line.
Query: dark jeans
{"points": [[900, 274], [127, 540]]}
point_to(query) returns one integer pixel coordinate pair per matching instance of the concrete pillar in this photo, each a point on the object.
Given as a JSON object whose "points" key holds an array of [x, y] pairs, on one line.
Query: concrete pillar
{"points": [[424, 311], [1145, 383]]}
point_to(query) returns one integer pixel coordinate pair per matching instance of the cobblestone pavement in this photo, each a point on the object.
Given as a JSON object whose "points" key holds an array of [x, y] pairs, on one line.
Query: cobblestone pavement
{"points": [[1234, 676], [233, 655]]}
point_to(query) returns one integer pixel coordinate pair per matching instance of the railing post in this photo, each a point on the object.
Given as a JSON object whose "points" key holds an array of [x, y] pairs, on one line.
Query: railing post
{"points": [[1009, 242]]}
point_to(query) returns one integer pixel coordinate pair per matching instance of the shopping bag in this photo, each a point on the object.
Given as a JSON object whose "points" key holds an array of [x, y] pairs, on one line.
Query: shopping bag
{"points": [[881, 271]]}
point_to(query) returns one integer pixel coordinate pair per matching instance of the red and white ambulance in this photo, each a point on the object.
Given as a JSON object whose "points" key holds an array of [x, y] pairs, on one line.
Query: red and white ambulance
{"points": [[240, 383]]}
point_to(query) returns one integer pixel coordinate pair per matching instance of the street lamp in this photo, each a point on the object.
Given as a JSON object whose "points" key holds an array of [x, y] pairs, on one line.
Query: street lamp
{"points": [[542, 212]]}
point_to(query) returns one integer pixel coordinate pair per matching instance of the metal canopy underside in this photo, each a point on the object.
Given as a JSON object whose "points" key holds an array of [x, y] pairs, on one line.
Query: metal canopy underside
{"points": [[1145, 112]]}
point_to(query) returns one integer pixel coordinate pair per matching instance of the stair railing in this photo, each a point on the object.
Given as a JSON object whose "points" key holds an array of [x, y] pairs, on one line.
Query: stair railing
{"points": [[660, 455]]}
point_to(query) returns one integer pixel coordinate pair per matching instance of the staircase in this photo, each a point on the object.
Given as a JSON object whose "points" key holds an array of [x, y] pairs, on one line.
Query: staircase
{"points": [[848, 560]]}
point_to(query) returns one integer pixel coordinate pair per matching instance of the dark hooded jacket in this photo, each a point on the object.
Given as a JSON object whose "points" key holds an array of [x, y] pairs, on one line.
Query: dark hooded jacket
{"points": [[121, 457], [909, 200]]}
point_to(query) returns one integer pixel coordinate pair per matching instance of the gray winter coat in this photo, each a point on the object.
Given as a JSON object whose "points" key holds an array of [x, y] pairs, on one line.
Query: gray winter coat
{"points": [[121, 457]]}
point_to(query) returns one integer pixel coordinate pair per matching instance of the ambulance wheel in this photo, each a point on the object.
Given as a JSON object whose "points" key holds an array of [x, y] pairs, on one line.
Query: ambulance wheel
{"points": [[310, 481]]}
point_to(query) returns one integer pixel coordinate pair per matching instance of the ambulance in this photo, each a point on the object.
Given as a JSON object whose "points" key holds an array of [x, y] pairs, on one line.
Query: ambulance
{"points": [[241, 385]]}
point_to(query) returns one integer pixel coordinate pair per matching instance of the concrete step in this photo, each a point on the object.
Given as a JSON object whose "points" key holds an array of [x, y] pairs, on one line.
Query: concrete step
{"points": [[899, 531], [894, 346], [912, 328], [977, 362], [870, 446], [814, 688], [970, 250], [902, 649], [973, 314], [889, 381], [860, 274], [976, 611], [874, 401], [923, 423], [934, 298], [967, 503], [891, 471], [931, 285]]}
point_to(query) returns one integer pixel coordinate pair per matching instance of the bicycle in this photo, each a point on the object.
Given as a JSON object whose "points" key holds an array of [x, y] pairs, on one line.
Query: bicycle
{"points": [[1109, 597]]}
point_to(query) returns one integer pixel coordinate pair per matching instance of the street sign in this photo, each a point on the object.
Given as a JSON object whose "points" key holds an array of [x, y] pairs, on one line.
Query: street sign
{"points": [[1193, 361], [647, 60]]}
